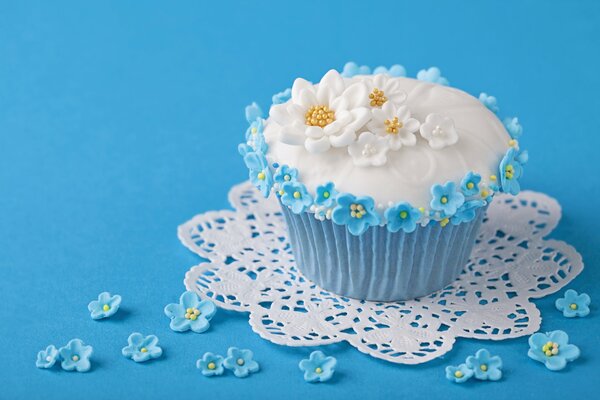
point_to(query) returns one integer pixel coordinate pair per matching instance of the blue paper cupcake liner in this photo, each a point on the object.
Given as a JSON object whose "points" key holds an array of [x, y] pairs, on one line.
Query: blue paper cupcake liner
{"points": [[380, 265]]}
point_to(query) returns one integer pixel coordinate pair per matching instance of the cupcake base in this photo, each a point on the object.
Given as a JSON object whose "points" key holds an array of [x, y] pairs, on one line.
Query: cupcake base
{"points": [[380, 265]]}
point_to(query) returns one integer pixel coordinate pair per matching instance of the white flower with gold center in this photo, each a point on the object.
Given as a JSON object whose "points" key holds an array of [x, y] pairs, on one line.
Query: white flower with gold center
{"points": [[382, 89], [369, 150], [324, 115], [395, 124], [439, 131]]}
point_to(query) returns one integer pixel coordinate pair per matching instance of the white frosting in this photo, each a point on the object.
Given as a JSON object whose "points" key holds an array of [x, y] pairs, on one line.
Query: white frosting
{"points": [[475, 140]]}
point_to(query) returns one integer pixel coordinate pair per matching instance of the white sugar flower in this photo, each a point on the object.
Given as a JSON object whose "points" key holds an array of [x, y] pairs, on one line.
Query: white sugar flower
{"points": [[382, 89], [325, 115], [368, 150], [395, 124], [439, 131]]}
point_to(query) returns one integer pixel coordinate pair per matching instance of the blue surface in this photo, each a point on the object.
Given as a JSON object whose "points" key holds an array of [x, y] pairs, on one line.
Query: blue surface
{"points": [[119, 121]]}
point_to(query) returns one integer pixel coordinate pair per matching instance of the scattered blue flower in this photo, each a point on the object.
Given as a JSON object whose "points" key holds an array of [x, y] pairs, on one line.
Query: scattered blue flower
{"points": [[470, 184], [105, 306], [47, 358], [253, 112], [244, 149], [552, 349], [255, 129], [190, 313], [511, 170], [318, 367], [326, 194], [285, 174], [210, 364], [395, 70], [358, 213], [467, 211], [259, 172], [141, 348], [574, 304], [485, 366], [490, 102], [240, 362], [433, 75], [513, 127], [402, 216], [446, 199], [459, 374], [351, 69], [76, 356], [296, 197], [282, 97]]}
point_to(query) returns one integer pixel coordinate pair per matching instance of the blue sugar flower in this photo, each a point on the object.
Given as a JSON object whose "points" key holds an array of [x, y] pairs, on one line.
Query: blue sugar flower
{"points": [[513, 127], [446, 199], [285, 174], [210, 364], [282, 97], [253, 112], [574, 304], [47, 358], [358, 213], [511, 170], [351, 69], [470, 184], [259, 172], [326, 194], [395, 70], [552, 349], [190, 313], [255, 129], [318, 367], [296, 197], [467, 211], [240, 362], [76, 356], [433, 75], [490, 102], [244, 149], [105, 306], [402, 216], [141, 348], [459, 374], [485, 366]]}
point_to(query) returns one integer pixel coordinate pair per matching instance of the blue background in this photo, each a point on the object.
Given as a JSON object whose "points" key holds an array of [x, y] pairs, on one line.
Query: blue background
{"points": [[119, 121]]}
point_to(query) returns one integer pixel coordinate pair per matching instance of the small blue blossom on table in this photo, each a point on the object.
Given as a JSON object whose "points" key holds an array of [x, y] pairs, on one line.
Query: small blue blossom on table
{"points": [[351, 69], [326, 194], [358, 213], [511, 170], [141, 348], [467, 211], [574, 304], [433, 75], [446, 199], [318, 367], [485, 366], [469, 186], [259, 172], [513, 127], [105, 306], [47, 358], [395, 70], [490, 102], [285, 174], [282, 97], [76, 356], [402, 216], [190, 313], [296, 197], [459, 374], [552, 349], [241, 362], [210, 364]]}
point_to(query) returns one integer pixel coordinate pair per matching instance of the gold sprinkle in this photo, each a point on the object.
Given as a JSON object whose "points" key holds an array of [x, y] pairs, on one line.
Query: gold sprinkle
{"points": [[319, 116], [377, 98]]}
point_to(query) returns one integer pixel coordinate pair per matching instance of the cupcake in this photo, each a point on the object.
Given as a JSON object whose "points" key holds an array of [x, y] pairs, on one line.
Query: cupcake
{"points": [[383, 180]]}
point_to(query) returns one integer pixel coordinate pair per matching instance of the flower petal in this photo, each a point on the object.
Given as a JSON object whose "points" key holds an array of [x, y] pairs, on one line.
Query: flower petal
{"points": [[189, 299], [317, 145], [180, 324], [555, 363], [559, 337]]}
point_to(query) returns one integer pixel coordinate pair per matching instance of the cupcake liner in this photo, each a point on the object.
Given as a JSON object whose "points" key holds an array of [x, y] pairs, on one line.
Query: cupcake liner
{"points": [[380, 265]]}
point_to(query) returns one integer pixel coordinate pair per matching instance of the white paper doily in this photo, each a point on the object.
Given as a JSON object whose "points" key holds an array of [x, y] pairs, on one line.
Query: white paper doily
{"points": [[251, 269]]}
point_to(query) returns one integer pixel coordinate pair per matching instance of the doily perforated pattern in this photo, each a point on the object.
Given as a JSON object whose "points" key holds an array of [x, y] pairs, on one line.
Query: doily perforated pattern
{"points": [[251, 269]]}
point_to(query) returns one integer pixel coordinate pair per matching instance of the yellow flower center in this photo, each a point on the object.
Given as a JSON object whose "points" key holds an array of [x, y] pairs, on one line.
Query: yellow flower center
{"points": [[240, 361], [254, 130], [493, 178], [483, 367], [319, 116], [318, 370], [470, 185], [144, 350], [550, 349], [357, 211], [458, 374], [509, 172], [444, 200], [377, 98], [211, 365], [326, 195], [297, 195], [444, 222], [106, 307], [393, 125], [403, 214], [573, 306], [513, 143], [192, 313], [261, 175], [485, 193]]}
